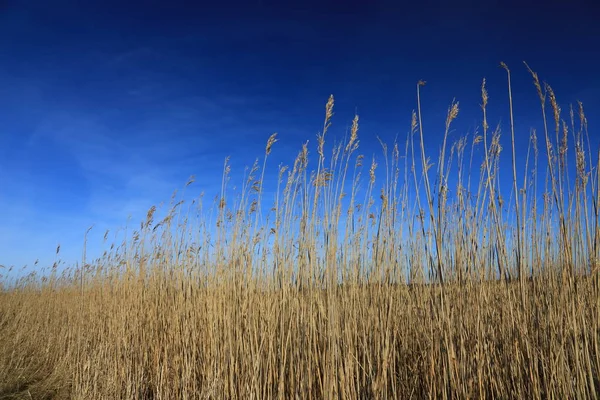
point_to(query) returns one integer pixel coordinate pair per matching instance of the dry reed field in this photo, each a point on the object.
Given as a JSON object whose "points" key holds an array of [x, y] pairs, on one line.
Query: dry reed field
{"points": [[398, 278]]}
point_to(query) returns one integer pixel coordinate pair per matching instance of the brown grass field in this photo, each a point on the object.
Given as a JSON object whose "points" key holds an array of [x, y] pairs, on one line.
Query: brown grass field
{"points": [[360, 281]]}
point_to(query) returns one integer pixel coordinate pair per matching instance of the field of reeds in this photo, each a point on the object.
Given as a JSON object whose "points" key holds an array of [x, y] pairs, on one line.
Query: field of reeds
{"points": [[397, 278]]}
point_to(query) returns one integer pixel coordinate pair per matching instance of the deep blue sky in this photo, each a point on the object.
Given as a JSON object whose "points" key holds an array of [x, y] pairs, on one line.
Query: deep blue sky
{"points": [[106, 107]]}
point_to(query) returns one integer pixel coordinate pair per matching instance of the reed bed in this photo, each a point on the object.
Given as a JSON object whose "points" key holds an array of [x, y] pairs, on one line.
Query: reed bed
{"points": [[363, 279]]}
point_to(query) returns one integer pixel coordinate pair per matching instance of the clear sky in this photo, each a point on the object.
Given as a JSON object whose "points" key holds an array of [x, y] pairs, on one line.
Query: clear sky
{"points": [[106, 107]]}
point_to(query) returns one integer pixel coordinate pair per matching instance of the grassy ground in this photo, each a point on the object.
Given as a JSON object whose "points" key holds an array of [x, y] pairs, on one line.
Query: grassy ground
{"points": [[482, 294]]}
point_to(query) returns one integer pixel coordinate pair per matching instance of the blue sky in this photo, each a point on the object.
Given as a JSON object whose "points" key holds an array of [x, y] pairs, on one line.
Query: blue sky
{"points": [[107, 107]]}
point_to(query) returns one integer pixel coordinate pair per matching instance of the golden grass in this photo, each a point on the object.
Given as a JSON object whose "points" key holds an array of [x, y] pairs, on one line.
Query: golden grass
{"points": [[344, 288]]}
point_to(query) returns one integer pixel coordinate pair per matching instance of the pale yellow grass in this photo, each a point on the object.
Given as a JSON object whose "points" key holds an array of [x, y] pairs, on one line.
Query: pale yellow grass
{"points": [[481, 293]]}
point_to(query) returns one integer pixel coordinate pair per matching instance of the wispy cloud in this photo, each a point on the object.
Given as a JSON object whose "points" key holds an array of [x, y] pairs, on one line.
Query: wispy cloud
{"points": [[112, 171]]}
